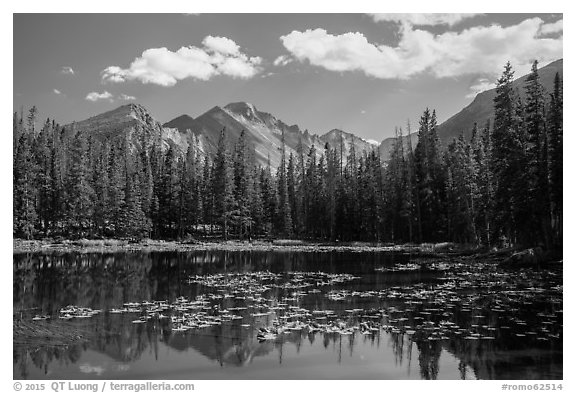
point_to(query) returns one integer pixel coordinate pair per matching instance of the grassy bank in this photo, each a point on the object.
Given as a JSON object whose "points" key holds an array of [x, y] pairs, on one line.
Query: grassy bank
{"points": [[117, 245]]}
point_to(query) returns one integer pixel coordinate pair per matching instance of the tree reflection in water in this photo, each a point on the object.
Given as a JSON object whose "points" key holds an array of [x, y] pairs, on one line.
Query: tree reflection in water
{"points": [[42, 284]]}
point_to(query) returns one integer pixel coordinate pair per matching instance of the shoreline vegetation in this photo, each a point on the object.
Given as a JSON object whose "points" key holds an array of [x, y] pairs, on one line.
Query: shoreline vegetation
{"points": [[508, 257], [119, 245]]}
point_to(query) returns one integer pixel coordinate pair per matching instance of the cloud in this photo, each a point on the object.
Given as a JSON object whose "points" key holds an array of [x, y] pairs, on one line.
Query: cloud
{"points": [[126, 97], [423, 19], [56, 91], [67, 70], [363, 112], [477, 50], [480, 85], [283, 60], [221, 44], [161, 66], [95, 96], [552, 28]]}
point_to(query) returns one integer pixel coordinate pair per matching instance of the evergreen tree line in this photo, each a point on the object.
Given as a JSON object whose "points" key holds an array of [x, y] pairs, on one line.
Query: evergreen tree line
{"points": [[504, 185]]}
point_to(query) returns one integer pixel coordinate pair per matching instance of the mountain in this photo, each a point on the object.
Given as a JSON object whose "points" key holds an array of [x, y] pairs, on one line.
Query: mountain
{"points": [[135, 123], [479, 110], [482, 108], [387, 145], [184, 123], [127, 121], [338, 139], [263, 131]]}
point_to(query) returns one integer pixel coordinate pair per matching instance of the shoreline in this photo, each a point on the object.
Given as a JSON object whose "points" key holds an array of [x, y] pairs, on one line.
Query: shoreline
{"points": [[113, 245]]}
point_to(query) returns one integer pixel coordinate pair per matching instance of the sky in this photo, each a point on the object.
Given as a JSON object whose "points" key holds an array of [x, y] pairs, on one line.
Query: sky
{"points": [[363, 73]]}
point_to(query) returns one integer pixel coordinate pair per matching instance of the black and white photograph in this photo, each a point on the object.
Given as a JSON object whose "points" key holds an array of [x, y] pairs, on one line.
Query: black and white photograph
{"points": [[287, 196]]}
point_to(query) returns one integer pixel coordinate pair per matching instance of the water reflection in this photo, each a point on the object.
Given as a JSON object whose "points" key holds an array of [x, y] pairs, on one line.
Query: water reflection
{"points": [[43, 284]]}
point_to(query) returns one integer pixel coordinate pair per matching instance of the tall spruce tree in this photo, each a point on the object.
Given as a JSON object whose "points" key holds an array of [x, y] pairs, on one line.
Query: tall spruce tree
{"points": [[223, 185], [507, 158], [536, 160], [25, 190], [555, 128], [80, 194]]}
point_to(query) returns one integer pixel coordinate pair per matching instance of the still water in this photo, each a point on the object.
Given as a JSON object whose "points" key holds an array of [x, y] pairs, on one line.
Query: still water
{"points": [[284, 315]]}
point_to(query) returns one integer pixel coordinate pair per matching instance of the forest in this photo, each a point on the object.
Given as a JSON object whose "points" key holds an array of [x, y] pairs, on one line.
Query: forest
{"points": [[502, 187]]}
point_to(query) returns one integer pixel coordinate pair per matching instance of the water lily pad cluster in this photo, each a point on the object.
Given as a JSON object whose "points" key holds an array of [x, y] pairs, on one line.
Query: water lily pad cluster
{"points": [[464, 302], [70, 312]]}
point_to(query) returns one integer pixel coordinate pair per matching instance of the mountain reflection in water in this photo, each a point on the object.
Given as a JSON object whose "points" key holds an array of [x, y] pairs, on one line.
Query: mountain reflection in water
{"points": [[527, 342]]}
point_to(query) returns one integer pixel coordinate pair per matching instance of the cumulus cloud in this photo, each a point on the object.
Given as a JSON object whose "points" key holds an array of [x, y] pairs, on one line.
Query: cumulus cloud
{"points": [[56, 91], [221, 45], [477, 50], [282, 60], [161, 66], [126, 97], [95, 96], [552, 28], [423, 19], [480, 85], [67, 70]]}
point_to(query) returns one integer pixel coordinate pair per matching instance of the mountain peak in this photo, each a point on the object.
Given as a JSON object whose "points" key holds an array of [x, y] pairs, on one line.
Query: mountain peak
{"points": [[131, 107], [242, 108], [183, 123], [335, 131]]}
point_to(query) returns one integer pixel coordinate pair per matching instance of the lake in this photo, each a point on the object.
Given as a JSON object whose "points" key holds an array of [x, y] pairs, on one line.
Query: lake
{"points": [[283, 315]]}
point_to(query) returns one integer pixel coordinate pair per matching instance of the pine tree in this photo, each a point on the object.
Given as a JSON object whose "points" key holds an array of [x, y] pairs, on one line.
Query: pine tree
{"points": [[191, 189], [313, 192], [429, 179], [101, 185], [243, 186], [536, 159], [256, 202], [25, 190], [57, 176], [147, 183], [80, 194], [332, 184], [299, 212], [135, 224], [284, 216], [293, 199], [481, 152], [116, 189], [169, 194], [42, 151], [461, 188], [223, 185], [507, 158], [554, 121], [269, 200]]}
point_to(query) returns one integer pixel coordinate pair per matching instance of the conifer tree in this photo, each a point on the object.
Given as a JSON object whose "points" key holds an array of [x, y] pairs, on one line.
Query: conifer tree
{"points": [[243, 185], [223, 185], [79, 191], [101, 185], [507, 157], [284, 217], [293, 198], [116, 188], [536, 159], [555, 128], [25, 190]]}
